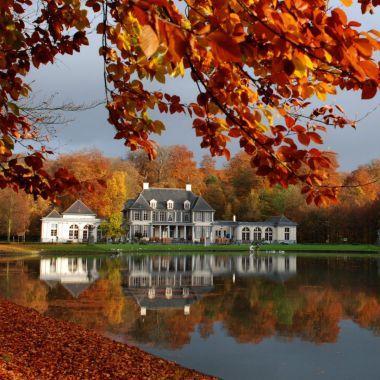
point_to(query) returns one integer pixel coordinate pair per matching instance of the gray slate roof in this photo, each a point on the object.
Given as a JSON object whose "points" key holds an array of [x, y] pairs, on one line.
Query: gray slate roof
{"points": [[75, 289], [178, 196], [78, 207], [53, 214], [281, 220]]}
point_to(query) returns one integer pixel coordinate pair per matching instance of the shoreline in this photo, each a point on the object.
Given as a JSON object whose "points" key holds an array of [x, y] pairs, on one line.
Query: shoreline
{"points": [[35, 347], [47, 249]]}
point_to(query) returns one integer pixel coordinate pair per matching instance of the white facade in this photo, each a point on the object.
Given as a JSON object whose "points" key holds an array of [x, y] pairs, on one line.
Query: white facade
{"points": [[77, 224], [275, 230]]}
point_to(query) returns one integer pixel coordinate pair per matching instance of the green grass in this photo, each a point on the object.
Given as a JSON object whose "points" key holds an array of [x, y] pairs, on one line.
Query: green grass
{"points": [[48, 248]]}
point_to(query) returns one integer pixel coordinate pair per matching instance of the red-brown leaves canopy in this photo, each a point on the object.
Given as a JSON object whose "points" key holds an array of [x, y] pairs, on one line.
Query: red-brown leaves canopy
{"points": [[256, 64]]}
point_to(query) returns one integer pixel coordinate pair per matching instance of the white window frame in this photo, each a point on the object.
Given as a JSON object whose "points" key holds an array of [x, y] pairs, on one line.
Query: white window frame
{"points": [[170, 204], [153, 203], [74, 232], [268, 234], [186, 205], [257, 234], [54, 229], [245, 230]]}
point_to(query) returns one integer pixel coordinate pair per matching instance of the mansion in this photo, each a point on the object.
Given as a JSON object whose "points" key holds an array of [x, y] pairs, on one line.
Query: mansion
{"points": [[178, 215]]}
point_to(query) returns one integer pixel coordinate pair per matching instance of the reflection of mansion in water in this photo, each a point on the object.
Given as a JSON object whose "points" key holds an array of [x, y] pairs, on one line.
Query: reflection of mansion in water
{"points": [[158, 282], [74, 273]]}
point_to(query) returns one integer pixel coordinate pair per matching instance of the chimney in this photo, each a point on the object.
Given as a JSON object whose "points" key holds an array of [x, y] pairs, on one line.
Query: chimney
{"points": [[145, 185], [188, 187], [234, 218]]}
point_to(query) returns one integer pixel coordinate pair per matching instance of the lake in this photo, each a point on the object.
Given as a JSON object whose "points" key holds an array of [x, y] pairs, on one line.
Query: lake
{"points": [[233, 316]]}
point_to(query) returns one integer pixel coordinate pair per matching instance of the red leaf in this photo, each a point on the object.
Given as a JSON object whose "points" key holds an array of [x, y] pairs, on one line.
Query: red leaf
{"points": [[304, 139]]}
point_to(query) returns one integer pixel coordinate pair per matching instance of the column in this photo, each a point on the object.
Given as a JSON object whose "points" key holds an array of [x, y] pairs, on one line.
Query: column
{"points": [[185, 232], [192, 234], [160, 231], [176, 232]]}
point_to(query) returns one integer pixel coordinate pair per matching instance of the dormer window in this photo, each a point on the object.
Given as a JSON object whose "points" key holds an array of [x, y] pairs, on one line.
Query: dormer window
{"points": [[187, 205], [153, 203], [170, 205]]}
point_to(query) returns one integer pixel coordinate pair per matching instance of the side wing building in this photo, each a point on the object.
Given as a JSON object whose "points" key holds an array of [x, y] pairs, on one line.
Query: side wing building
{"points": [[77, 224]]}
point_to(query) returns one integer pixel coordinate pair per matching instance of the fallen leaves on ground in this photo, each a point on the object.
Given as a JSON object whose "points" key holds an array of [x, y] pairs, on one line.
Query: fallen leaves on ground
{"points": [[36, 347]]}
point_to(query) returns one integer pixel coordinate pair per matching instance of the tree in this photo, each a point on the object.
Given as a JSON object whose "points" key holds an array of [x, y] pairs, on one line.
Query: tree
{"points": [[15, 212], [252, 62], [112, 228]]}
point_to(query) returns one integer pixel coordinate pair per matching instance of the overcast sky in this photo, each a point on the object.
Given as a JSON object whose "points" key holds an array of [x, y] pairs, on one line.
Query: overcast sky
{"points": [[79, 79]]}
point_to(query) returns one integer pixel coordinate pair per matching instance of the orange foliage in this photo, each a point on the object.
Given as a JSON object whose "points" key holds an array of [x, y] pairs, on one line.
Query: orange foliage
{"points": [[252, 62]]}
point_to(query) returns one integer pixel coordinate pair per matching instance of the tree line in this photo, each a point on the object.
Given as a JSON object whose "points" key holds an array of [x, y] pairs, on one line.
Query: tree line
{"points": [[234, 189]]}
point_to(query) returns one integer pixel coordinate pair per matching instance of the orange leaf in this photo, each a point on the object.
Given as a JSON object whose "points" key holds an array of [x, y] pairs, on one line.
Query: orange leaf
{"points": [[225, 49], [148, 40]]}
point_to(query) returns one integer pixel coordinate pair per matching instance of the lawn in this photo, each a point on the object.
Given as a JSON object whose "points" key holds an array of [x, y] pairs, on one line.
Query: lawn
{"points": [[46, 248]]}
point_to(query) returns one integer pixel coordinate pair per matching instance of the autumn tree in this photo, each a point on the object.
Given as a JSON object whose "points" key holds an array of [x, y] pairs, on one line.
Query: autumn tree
{"points": [[256, 66], [15, 213]]}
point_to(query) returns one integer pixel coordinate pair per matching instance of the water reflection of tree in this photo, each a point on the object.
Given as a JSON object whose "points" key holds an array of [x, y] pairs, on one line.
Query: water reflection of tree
{"points": [[20, 286], [309, 306], [102, 306]]}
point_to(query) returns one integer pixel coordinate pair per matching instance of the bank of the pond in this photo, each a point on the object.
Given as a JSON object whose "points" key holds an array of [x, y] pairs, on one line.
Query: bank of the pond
{"points": [[101, 248], [34, 347]]}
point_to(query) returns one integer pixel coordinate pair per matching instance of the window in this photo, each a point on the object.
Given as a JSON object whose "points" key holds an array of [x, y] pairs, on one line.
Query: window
{"points": [[136, 215], [257, 234], [287, 233], [98, 235], [73, 232], [170, 216], [53, 265], [245, 234], [268, 234], [207, 216], [186, 205], [198, 216], [53, 230], [155, 216], [85, 232], [153, 203], [186, 217], [73, 265], [145, 215], [170, 205], [162, 216], [145, 231]]}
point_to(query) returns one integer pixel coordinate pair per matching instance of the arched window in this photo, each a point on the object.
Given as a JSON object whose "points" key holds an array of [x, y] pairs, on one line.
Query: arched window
{"points": [[73, 232], [245, 235], [268, 234], [86, 232], [257, 234], [153, 203], [186, 205], [72, 265], [170, 205]]}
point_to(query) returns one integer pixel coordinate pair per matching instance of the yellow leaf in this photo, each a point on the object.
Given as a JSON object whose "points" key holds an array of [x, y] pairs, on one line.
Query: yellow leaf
{"points": [[149, 42], [299, 71], [347, 3], [308, 62], [328, 56]]}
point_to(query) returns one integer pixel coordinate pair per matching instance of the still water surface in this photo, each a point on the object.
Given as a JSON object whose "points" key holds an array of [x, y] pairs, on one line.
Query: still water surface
{"points": [[237, 317]]}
